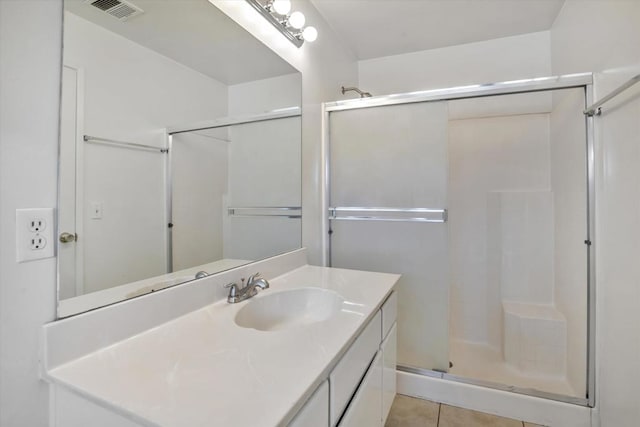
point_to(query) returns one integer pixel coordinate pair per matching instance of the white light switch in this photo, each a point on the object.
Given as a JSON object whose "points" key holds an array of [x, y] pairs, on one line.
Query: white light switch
{"points": [[96, 210], [34, 234]]}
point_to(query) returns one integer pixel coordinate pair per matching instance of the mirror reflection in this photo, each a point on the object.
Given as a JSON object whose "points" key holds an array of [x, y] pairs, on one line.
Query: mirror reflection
{"points": [[180, 150]]}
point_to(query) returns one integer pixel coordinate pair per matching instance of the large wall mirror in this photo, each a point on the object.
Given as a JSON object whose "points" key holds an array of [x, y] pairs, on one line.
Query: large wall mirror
{"points": [[180, 149]]}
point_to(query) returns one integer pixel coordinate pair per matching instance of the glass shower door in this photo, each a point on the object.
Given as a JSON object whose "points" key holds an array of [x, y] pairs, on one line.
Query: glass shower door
{"points": [[388, 196]]}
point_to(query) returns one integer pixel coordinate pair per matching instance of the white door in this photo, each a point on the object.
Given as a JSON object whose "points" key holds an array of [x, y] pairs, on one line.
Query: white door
{"points": [[68, 192]]}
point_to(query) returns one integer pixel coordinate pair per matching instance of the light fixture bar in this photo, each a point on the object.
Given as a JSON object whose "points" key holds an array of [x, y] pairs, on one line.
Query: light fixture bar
{"points": [[292, 37]]}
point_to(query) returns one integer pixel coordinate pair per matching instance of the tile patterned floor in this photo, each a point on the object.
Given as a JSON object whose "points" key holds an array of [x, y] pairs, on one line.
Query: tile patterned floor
{"points": [[411, 412]]}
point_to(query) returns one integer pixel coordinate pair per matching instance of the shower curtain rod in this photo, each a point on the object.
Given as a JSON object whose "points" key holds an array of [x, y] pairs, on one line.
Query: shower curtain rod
{"points": [[94, 139], [596, 108]]}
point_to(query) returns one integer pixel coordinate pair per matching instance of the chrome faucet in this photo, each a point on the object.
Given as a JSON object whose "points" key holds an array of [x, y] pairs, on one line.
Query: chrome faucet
{"points": [[254, 282]]}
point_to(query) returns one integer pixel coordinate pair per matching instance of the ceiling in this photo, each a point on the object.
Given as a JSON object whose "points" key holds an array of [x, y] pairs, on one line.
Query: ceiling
{"points": [[376, 28], [194, 33]]}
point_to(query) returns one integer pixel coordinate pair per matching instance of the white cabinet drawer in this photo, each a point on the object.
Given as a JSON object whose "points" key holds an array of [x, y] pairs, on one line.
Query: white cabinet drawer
{"points": [[314, 413], [346, 376], [389, 357], [365, 408], [389, 313]]}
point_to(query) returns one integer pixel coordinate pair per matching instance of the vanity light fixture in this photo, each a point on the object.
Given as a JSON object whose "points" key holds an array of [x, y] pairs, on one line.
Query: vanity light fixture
{"points": [[296, 20], [282, 7], [290, 24]]}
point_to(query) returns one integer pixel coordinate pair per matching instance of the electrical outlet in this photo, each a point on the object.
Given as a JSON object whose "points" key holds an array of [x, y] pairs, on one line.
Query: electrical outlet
{"points": [[38, 242], [36, 225], [34, 234]]}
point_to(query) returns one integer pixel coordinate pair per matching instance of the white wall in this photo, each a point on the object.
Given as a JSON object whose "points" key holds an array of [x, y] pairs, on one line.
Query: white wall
{"points": [[132, 102], [30, 64], [325, 66], [265, 95], [503, 59], [604, 36]]}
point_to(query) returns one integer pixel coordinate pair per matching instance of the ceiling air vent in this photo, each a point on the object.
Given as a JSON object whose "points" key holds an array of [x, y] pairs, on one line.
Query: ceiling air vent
{"points": [[119, 9]]}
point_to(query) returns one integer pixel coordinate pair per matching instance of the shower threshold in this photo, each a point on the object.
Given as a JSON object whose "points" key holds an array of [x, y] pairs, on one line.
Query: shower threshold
{"points": [[560, 390]]}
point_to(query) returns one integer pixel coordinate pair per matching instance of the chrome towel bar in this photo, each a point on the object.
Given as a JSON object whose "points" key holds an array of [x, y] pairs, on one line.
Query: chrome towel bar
{"points": [[265, 211], [387, 214], [94, 139]]}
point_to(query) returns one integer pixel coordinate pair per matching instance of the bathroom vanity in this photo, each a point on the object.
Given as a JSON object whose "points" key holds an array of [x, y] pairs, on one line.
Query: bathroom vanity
{"points": [[317, 348]]}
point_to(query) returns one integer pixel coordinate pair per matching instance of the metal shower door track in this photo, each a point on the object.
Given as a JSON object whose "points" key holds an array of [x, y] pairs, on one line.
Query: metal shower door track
{"points": [[470, 91], [281, 113], [494, 385]]}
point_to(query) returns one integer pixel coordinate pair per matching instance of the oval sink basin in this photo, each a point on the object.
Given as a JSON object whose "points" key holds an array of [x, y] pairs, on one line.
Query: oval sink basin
{"points": [[289, 309]]}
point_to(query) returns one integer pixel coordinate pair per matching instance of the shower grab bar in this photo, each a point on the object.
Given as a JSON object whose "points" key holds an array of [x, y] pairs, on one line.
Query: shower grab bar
{"points": [[418, 214], [596, 108], [96, 140], [264, 211]]}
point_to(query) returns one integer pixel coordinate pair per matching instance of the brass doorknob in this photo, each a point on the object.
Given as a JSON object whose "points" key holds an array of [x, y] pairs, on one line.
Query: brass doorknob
{"points": [[67, 237]]}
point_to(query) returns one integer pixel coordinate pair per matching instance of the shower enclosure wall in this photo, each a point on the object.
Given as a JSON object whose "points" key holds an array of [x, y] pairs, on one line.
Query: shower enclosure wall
{"points": [[479, 196]]}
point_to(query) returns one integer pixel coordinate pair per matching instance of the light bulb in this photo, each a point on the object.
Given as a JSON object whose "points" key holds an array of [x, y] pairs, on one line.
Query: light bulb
{"points": [[310, 34], [296, 20], [282, 7]]}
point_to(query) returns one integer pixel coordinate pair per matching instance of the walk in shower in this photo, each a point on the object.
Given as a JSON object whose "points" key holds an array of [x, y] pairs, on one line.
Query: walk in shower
{"points": [[480, 196]]}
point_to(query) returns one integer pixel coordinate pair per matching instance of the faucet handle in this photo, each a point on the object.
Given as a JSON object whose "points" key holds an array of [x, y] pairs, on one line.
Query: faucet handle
{"points": [[234, 288]]}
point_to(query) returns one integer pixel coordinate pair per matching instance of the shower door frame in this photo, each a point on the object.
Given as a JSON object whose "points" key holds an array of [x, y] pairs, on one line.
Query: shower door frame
{"points": [[541, 84], [223, 122]]}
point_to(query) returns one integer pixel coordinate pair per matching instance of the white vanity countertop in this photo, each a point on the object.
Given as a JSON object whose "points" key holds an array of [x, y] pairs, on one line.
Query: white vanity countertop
{"points": [[202, 369]]}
